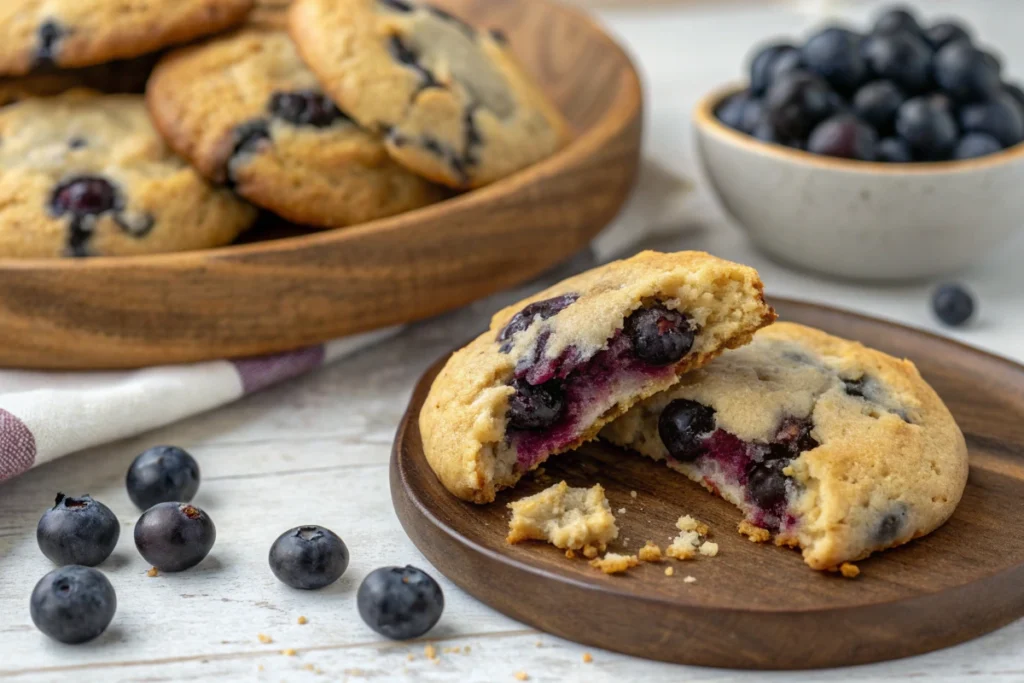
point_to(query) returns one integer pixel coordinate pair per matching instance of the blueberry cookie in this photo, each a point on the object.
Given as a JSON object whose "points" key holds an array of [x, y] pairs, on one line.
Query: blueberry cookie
{"points": [[87, 175], [246, 111], [73, 33], [124, 76], [828, 445], [554, 368], [453, 102]]}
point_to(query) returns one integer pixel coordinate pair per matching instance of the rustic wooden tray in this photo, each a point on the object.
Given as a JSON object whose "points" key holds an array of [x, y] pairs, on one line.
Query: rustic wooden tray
{"points": [[291, 289], [753, 606]]}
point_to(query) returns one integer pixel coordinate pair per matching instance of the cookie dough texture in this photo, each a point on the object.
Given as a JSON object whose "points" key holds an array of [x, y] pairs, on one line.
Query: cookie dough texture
{"points": [[566, 517]]}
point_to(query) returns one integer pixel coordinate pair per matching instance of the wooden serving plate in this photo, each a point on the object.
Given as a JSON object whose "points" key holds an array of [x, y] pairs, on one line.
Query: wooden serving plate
{"points": [[754, 606], [300, 290]]}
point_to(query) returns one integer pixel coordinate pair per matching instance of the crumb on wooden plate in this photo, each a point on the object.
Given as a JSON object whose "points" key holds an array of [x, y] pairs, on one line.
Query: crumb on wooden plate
{"points": [[669, 571], [264, 638], [587, 658], [303, 621], [651, 552], [755, 533], [613, 563], [570, 554], [684, 546], [709, 549], [632, 494], [620, 511], [849, 570], [690, 579], [590, 552], [564, 516], [688, 523]]}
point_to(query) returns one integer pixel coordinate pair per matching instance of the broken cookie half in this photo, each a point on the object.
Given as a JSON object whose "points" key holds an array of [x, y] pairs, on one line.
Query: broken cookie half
{"points": [[556, 367]]}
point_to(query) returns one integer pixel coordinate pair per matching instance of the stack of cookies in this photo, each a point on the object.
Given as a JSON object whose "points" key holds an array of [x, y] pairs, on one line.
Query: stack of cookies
{"points": [[326, 113]]}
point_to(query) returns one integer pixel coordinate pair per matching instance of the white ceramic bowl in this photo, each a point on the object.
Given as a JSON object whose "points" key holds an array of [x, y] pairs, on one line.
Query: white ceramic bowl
{"points": [[859, 219]]}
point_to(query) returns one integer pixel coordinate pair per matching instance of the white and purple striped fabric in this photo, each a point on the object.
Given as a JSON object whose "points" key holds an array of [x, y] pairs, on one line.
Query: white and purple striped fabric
{"points": [[44, 415]]}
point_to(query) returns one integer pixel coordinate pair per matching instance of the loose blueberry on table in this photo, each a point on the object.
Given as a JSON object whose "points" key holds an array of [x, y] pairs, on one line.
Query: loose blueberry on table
{"points": [[174, 537], [73, 604], [308, 557], [953, 305], [907, 93], [78, 530], [162, 474], [400, 602]]}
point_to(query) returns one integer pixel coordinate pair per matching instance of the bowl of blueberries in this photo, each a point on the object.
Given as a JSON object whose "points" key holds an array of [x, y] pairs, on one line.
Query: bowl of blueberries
{"points": [[890, 154]]}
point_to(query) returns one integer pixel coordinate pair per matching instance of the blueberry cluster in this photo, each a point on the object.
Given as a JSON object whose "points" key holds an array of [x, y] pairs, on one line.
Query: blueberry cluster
{"points": [[76, 603], [901, 93]]}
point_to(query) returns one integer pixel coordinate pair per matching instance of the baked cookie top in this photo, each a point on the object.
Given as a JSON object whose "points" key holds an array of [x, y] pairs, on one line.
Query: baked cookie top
{"points": [[74, 33], [246, 111], [830, 445], [553, 368], [454, 104], [87, 175]]}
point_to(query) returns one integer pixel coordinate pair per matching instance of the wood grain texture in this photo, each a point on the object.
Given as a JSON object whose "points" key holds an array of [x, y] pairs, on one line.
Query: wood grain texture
{"points": [[282, 294], [753, 606]]}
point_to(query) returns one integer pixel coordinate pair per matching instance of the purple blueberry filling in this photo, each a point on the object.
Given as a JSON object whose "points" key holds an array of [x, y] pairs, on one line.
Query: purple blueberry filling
{"points": [[304, 108]]}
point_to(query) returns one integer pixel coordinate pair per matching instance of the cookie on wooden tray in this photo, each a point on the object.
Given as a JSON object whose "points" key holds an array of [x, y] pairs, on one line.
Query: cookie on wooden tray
{"points": [[823, 443], [246, 111], [454, 103], [554, 368], [75, 33], [87, 175]]}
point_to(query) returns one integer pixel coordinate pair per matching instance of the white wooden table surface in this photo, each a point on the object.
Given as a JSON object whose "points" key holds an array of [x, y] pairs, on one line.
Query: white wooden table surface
{"points": [[316, 451]]}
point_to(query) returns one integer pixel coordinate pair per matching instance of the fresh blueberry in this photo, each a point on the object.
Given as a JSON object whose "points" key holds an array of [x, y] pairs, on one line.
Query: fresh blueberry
{"points": [[796, 103], [877, 103], [78, 531], [930, 131], [83, 196], [400, 602], [964, 73], [946, 32], [835, 55], [753, 112], [73, 604], [765, 131], [1014, 91], [993, 60], [660, 336], [683, 425], [897, 20], [730, 112], [894, 150], [535, 407], [537, 310], [953, 304], [942, 101], [902, 58], [161, 475], [308, 557], [763, 66], [766, 482], [1001, 118], [174, 537], [304, 108], [844, 136]]}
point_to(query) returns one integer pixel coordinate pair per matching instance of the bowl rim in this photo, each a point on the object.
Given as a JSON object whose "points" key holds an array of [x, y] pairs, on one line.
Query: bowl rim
{"points": [[705, 120]]}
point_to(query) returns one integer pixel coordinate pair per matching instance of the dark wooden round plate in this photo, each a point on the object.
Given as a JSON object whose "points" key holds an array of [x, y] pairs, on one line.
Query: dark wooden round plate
{"points": [[303, 289], [753, 606]]}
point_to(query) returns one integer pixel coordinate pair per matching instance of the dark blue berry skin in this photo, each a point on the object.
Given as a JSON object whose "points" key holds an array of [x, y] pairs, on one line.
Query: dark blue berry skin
{"points": [[930, 131], [992, 60], [964, 73], [765, 131], [897, 20], [162, 474], [731, 111], [308, 557], [902, 58], [73, 604], [400, 602], [78, 531], [796, 103], [844, 136], [1014, 91], [526, 317], [893, 150], [1001, 118], [535, 407], [305, 108], [945, 32], [682, 426], [766, 482], [953, 304], [174, 537], [660, 336], [835, 55], [876, 103], [753, 112], [763, 68], [974, 145]]}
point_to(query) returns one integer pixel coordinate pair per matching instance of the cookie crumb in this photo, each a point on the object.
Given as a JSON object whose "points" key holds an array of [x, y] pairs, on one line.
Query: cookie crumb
{"points": [[410, 657], [264, 638], [587, 658], [153, 571], [569, 554], [303, 621], [684, 546], [565, 517], [430, 652], [590, 552], [669, 571], [452, 650], [708, 549], [755, 533], [849, 570], [522, 676], [651, 552], [690, 579], [259, 668], [688, 523], [620, 511], [308, 667], [613, 563], [290, 652], [632, 494], [539, 644]]}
